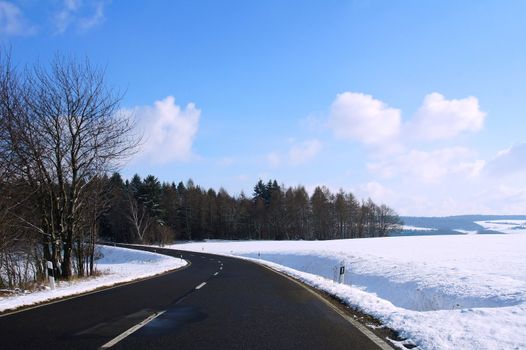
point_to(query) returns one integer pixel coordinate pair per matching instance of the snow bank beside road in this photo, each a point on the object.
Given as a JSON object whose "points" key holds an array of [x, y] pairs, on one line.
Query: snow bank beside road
{"points": [[441, 292], [117, 265]]}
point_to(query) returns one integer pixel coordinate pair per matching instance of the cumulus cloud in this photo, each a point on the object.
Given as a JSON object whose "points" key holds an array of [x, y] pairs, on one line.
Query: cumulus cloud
{"points": [[418, 179], [77, 13], [360, 117], [439, 118], [169, 130], [508, 162], [13, 22], [299, 154]]}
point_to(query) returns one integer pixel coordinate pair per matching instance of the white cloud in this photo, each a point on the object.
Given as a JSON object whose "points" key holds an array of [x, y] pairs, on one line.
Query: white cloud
{"points": [[439, 118], [410, 175], [94, 20], [377, 192], [76, 13], [508, 162], [427, 167], [453, 181], [504, 198], [12, 21], [299, 154], [169, 131], [360, 117]]}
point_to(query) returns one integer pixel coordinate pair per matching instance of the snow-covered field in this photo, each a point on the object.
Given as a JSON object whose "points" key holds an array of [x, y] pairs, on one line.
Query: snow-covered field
{"points": [[117, 265], [504, 226], [466, 232], [440, 292], [416, 228]]}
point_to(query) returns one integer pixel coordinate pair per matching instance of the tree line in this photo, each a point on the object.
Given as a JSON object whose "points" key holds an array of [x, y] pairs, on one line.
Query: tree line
{"points": [[147, 211], [62, 139]]}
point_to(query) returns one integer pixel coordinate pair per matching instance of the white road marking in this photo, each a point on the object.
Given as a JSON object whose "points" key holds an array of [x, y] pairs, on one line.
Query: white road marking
{"points": [[221, 268], [215, 274], [131, 330], [200, 286]]}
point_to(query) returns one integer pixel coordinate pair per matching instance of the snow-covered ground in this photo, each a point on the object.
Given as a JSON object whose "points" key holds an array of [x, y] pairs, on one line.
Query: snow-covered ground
{"points": [[504, 226], [440, 292], [416, 228], [467, 232], [117, 265]]}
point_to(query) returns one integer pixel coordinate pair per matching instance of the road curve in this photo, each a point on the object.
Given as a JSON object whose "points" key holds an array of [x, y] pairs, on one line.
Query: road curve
{"points": [[215, 303]]}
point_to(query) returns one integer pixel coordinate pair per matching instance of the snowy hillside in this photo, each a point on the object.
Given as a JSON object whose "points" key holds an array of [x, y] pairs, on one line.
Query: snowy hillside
{"points": [[441, 292], [117, 265], [504, 226], [455, 225]]}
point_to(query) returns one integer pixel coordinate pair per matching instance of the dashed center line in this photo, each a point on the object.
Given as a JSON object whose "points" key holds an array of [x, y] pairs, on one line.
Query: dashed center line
{"points": [[200, 286], [215, 274], [131, 330]]}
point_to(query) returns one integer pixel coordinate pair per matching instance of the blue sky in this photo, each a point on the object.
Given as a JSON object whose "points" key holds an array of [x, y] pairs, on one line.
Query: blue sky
{"points": [[418, 104]]}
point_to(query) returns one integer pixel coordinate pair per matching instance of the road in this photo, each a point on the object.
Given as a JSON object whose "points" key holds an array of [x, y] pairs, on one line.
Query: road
{"points": [[215, 303]]}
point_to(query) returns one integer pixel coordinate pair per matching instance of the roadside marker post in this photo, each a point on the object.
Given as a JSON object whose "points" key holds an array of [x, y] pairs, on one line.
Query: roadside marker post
{"points": [[342, 273], [51, 275]]}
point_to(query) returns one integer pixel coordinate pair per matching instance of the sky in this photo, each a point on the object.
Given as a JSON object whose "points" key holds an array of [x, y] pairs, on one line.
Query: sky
{"points": [[415, 104]]}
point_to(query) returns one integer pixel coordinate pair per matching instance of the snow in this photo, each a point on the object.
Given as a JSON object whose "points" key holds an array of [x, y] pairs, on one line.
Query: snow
{"points": [[416, 228], [467, 232], [117, 265], [440, 292], [504, 226]]}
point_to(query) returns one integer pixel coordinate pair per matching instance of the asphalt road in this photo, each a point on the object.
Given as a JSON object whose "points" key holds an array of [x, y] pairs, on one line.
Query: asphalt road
{"points": [[241, 306]]}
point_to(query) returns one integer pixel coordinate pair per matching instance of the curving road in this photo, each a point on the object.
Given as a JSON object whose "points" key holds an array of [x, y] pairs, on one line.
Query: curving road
{"points": [[215, 303]]}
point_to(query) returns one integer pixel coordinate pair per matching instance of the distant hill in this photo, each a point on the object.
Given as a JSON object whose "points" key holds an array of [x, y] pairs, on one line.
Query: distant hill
{"points": [[448, 225]]}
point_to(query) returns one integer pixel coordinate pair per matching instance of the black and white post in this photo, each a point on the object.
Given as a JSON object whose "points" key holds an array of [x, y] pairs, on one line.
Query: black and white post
{"points": [[342, 273], [51, 274]]}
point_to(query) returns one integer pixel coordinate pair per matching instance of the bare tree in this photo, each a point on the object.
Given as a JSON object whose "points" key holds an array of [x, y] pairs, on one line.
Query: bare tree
{"points": [[387, 220], [138, 217], [87, 232], [64, 126]]}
